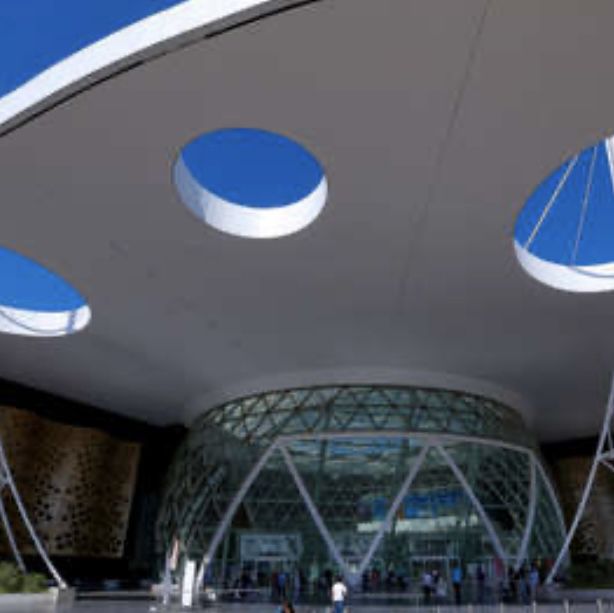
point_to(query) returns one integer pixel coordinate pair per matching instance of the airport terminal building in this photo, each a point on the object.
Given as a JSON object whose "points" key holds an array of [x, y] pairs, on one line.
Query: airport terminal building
{"points": [[302, 288], [356, 478]]}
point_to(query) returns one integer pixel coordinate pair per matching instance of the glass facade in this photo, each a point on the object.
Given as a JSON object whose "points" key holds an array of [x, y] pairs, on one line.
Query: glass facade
{"points": [[358, 479]]}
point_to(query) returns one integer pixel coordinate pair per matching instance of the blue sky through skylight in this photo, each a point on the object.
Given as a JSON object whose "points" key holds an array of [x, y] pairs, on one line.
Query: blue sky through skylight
{"points": [[569, 218], [250, 182], [36, 34], [26, 285], [252, 167]]}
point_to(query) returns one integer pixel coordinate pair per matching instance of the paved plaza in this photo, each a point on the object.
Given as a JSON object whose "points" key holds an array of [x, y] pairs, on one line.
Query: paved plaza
{"points": [[150, 607]]}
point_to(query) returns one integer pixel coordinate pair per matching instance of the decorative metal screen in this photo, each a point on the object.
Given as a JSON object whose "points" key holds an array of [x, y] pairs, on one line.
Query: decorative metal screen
{"points": [[76, 484]]}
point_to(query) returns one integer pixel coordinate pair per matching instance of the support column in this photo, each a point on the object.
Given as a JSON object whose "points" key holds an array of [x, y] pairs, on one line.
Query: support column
{"points": [[600, 453], [385, 527], [232, 509], [552, 495], [10, 536], [530, 521], [313, 511], [10, 483], [474, 500]]}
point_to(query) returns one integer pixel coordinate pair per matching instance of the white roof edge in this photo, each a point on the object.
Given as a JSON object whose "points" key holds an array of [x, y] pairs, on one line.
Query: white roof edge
{"points": [[161, 27]]}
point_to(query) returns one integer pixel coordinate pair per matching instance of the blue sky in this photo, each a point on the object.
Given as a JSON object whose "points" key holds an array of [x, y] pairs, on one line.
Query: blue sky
{"points": [[26, 285], [556, 239], [35, 34], [252, 168]]}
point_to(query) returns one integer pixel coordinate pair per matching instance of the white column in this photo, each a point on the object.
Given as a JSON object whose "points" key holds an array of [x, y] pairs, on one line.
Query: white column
{"points": [[313, 511], [385, 527], [605, 433], [607, 465], [232, 509], [530, 520], [187, 584], [26, 520], [10, 536], [553, 497], [474, 500]]}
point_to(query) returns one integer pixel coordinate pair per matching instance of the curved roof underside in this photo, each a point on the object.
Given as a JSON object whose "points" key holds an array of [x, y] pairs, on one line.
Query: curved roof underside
{"points": [[434, 120]]}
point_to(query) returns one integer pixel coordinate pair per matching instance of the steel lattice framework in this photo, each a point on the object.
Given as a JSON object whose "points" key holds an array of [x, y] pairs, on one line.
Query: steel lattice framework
{"points": [[362, 472]]}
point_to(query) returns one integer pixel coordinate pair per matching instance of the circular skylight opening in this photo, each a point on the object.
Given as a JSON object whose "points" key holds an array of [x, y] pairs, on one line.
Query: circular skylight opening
{"points": [[36, 302], [250, 183], [564, 235]]}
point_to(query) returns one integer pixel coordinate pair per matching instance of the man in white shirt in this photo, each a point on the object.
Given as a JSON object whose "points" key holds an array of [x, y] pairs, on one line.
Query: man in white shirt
{"points": [[339, 592]]}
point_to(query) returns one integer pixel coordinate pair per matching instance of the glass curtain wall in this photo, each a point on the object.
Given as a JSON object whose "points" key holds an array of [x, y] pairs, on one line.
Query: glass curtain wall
{"points": [[375, 482]]}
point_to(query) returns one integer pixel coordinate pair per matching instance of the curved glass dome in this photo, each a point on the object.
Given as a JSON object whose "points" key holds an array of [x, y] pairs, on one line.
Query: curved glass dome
{"points": [[564, 235], [356, 478], [35, 301], [250, 183]]}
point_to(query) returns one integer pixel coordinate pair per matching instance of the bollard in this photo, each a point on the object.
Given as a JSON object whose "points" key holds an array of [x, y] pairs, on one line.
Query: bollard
{"points": [[501, 607], [469, 608], [188, 584], [566, 607], [534, 606], [599, 604]]}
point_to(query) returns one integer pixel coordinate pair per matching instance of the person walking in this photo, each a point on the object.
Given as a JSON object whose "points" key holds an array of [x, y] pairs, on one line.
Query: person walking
{"points": [[298, 583], [523, 585], [339, 594], [435, 575], [427, 586], [457, 580], [480, 578], [282, 579], [533, 582]]}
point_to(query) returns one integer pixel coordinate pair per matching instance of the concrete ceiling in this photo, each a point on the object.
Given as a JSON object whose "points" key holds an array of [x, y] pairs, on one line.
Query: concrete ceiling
{"points": [[434, 119]]}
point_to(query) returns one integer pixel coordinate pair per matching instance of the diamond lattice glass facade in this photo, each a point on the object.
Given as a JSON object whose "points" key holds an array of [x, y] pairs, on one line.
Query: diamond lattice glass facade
{"points": [[353, 478]]}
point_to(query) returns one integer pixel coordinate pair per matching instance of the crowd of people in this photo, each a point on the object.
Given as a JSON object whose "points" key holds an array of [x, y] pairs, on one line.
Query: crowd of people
{"points": [[460, 585], [520, 585], [434, 587]]}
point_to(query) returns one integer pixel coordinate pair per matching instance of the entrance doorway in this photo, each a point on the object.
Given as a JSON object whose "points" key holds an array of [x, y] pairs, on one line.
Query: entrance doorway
{"points": [[440, 568], [270, 562]]}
